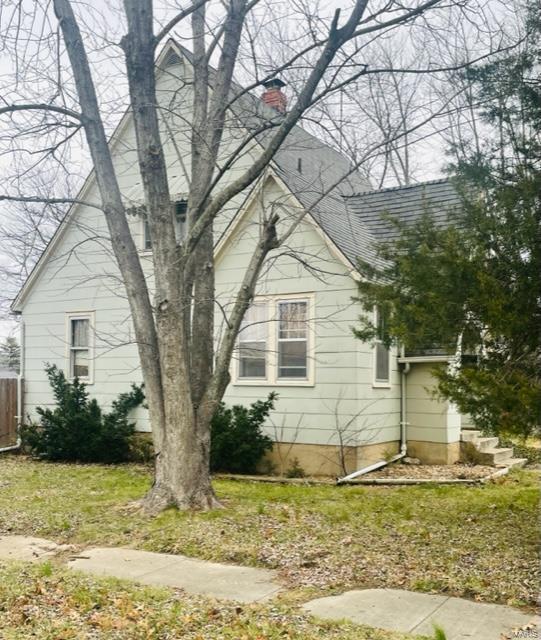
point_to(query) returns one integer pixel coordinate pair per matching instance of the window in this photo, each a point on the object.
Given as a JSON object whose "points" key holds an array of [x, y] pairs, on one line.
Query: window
{"points": [[274, 342], [253, 343], [147, 242], [180, 208], [381, 353], [80, 346], [292, 339]]}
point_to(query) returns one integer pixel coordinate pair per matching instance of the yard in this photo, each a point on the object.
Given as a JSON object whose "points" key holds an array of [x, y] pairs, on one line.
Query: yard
{"points": [[477, 542]]}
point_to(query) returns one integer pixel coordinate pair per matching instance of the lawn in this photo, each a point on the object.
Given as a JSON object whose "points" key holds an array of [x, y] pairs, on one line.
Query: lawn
{"points": [[478, 542], [47, 603]]}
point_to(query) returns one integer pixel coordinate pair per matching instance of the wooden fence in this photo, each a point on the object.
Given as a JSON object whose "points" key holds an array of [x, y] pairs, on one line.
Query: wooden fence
{"points": [[8, 411]]}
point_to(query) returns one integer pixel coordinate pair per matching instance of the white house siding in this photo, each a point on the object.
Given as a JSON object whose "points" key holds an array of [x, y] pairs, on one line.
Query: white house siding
{"points": [[81, 275], [79, 278], [342, 390], [433, 424], [86, 279], [430, 419]]}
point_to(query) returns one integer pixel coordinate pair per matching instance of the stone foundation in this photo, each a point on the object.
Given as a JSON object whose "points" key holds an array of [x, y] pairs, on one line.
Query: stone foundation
{"points": [[370, 453], [314, 459], [434, 452], [325, 460]]}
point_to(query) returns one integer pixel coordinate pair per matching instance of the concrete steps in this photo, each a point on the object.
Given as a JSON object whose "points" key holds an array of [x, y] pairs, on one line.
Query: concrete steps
{"points": [[496, 456], [512, 463], [489, 451]]}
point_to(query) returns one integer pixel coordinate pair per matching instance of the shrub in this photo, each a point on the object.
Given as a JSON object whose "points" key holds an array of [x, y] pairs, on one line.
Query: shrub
{"points": [[295, 470], [522, 449], [77, 429], [142, 448], [470, 454], [237, 441]]}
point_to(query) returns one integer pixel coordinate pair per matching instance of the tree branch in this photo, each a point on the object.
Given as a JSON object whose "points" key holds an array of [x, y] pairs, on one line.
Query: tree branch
{"points": [[337, 37], [41, 107], [42, 200], [174, 21]]}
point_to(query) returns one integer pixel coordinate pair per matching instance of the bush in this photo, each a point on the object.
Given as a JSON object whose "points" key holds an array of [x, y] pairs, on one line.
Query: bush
{"points": [[237, 442], [77, 429], [295, 470], [470, 454], [522, 449]]}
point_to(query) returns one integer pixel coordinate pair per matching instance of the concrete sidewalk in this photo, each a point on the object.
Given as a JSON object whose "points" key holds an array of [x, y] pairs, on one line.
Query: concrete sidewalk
{"points": [[416, 613], [230, 582], [389, 609], [29, 549]]}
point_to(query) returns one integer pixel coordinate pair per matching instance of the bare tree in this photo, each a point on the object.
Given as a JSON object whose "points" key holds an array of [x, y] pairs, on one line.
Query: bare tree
{"points": [[184, 371]]}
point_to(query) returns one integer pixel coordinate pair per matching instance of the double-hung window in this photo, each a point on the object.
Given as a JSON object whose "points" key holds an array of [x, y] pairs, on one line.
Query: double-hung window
{"points": [[253, 343], [292, 339], [275, 342], [180, 209], [80, 346], [382, 355]]}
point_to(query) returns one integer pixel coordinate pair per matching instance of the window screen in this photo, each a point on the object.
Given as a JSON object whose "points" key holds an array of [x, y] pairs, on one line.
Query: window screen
{"points": [[253, 343], [292, 339], [382, 373], [79, 348]]}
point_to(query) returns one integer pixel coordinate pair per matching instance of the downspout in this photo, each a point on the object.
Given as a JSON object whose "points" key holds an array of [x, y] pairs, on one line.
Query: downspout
{"points": [[20, 378], [403, 405], [403, 435]]}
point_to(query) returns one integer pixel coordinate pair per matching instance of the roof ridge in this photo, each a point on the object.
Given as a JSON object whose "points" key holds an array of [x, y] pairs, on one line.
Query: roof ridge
{"points": [[259, 103], [398, 187]]}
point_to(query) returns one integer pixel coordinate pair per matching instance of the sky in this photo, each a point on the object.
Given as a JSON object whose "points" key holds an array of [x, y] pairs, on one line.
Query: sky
{"points": [[428, 156]]}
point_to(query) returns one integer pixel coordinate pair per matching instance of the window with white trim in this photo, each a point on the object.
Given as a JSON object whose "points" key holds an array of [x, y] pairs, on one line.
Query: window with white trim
{"points": [[253, 343], [80, 346], [292, 339], [180, 208], [274, 342], [382, 355]]}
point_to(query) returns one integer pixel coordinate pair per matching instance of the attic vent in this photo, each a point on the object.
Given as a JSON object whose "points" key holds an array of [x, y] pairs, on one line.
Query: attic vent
{"points": [[181, 206], [171, 59], [299, 165]]}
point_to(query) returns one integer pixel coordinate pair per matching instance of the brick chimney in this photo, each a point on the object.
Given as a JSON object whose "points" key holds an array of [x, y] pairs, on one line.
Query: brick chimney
{"points": [[273, 95]]}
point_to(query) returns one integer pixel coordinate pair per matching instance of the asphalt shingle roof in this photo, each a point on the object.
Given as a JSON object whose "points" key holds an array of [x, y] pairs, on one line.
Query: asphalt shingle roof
{"points": [[438, 198], [345, 208]]}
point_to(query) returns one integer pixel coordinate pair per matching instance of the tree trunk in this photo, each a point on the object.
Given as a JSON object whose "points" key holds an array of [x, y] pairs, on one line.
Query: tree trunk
{"points": [[184, 380], [182, 477]]}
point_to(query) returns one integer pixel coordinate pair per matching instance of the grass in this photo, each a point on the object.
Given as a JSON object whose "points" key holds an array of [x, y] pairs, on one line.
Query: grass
{"points": [[49, 603], [478, 542]]}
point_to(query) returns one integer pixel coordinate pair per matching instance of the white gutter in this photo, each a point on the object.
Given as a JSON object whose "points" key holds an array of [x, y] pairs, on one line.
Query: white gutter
{"points": [[403, 424], [20, 378], [403, 407]]}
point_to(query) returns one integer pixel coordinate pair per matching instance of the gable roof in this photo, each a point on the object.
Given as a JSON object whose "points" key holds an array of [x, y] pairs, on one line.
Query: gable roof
{"points": [[406, 204], [318, 175], [344, 208]]}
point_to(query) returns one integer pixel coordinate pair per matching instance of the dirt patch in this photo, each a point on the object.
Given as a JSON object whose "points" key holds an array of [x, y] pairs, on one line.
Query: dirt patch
{"points": [[432, 472]]}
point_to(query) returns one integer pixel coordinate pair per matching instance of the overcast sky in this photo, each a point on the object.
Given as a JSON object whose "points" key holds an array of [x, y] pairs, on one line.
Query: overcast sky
{"points": [[104, 19]]}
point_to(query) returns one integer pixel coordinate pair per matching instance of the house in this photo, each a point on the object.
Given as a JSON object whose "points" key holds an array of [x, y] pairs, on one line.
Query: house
{"points": [[342, 403]]}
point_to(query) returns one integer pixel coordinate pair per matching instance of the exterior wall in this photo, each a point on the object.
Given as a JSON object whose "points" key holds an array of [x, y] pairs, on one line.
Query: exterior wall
{"points": [[80, 275], [434, 452], [313, 459], [342, 403], [433, 431]]}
